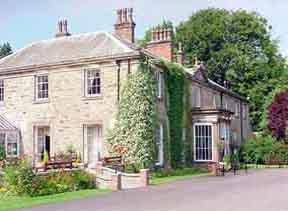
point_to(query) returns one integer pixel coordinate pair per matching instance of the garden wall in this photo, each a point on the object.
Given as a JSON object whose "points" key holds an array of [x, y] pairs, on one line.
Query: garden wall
{"points": [[107, 178]]}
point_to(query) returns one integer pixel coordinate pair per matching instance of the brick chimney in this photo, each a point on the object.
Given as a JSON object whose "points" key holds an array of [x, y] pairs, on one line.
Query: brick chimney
{"points": [[161, 44], [125, 25], [62, 29]]}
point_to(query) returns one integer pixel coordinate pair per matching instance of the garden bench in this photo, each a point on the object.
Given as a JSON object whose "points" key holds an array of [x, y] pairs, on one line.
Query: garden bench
{"points": [[56, 164], [116, 162]]}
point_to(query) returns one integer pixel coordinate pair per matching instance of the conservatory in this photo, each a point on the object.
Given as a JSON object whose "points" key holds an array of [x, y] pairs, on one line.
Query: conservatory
{"points": [[9, 138]]}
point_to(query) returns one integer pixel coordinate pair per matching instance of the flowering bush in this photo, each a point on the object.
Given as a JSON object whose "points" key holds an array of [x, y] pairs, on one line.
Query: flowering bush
{"points": [[21, 180], [133, 133]]}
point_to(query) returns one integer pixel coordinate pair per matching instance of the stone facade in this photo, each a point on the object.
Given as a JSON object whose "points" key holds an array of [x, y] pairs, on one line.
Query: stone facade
{"points": [[67, 111]]}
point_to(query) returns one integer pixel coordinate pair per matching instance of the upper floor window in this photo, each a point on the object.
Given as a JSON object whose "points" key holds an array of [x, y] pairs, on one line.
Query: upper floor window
{"points": [[1, 90], [244, 111], [196, 97], [237, 109], [93, 83], [42, 87], [217, 101], [159, 84]]}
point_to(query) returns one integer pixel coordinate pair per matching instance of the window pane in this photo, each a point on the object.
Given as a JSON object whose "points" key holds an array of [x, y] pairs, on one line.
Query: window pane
{"points": [[203, 142], [93, 82]]}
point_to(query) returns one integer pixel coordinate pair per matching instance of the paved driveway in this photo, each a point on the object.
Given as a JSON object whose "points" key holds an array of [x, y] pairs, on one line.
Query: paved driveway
{"points": [[262, 190]]}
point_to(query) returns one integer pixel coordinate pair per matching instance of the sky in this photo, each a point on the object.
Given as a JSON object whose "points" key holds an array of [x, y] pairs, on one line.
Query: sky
{"points": [[23, 22]]}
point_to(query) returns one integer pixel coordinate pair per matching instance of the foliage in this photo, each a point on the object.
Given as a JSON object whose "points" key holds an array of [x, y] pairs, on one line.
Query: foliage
{"points": [[2, 152], [257, 149], [278, 115], [46, 157], [175, 82], [21, 180], [134, 129], [147, 37], [5, 50], [235, 46]]}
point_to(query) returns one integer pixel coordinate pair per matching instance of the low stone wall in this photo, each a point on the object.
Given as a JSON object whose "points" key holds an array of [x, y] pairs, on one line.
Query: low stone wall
{"points": [[111, 179]]}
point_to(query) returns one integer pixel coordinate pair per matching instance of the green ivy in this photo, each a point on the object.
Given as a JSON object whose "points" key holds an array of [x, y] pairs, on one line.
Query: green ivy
{"points": [[175, 84], [133, 135]]}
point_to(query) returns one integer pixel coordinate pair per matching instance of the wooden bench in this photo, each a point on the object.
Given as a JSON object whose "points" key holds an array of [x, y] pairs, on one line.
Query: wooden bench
{"points": [[115, 162]]}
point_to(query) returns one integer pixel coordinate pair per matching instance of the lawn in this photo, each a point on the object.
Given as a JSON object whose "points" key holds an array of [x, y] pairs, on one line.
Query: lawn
{"points": [[12, 202], [179, 174]]}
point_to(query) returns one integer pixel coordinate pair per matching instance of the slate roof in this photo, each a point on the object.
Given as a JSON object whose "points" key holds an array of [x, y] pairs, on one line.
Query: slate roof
{"points": [[61, 49]]}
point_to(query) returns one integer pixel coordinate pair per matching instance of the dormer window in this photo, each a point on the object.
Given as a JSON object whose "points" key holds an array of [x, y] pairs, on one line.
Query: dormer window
{"points": [[42, 87], [93, 83]]}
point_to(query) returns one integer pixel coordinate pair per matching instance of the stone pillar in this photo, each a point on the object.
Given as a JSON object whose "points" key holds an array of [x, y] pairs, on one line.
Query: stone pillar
{"points": [[144, 177], [115, 183]]}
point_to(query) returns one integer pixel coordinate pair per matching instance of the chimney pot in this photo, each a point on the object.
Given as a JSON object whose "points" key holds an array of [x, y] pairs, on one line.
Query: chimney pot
{"points": [[125, 26], [62, 29]]}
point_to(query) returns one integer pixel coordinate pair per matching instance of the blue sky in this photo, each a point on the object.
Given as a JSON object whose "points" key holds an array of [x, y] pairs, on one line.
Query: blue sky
{"points": [[26, 21]]}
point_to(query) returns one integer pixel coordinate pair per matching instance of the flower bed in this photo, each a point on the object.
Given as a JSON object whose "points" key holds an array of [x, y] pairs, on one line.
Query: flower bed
{"points": [[22, 181]]}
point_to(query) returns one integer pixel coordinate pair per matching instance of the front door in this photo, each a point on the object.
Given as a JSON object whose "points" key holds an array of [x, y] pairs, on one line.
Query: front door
{"points": [[94, 140], [43, 142]]}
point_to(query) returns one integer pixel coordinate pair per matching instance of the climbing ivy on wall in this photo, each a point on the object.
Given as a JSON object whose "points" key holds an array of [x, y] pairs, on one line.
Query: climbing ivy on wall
{"points": [[175, 85], [134, 132]]}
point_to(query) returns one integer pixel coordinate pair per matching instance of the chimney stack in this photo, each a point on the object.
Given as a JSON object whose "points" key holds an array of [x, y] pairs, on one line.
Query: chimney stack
{"points": [[180, 54], [161, 43], [62, 29], [125, 25]]}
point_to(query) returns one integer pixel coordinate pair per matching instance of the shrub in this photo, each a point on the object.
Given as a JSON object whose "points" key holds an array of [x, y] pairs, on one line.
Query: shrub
{"points": [[278, 115], [21, 180], [263, 149]]}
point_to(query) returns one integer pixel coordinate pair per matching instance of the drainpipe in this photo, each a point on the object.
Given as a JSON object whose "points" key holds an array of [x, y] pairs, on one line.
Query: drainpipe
{"points": [[118, 62], [241, 121]]}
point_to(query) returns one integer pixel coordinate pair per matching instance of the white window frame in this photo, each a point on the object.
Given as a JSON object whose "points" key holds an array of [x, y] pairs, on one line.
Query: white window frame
{"points": [[86, 82], [160, 158], [194, 141], [159, 84], [225, 134], [37, 98], [2, 91]]}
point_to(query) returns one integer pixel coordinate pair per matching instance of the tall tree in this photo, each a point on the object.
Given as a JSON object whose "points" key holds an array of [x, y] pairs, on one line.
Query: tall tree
{"points": [[235, 46], [5, 50]]}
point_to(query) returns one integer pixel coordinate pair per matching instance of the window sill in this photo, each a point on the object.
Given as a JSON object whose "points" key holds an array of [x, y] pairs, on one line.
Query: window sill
{"points": [[96, 97], [41, 101]]}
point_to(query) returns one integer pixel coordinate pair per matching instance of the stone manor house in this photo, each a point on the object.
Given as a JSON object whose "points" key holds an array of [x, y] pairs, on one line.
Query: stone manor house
{"points": [[65, 91]]}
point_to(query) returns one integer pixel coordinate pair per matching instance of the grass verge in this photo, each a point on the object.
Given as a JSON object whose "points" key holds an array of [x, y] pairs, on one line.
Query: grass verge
{"points": [[8, 203], [178, 174]]}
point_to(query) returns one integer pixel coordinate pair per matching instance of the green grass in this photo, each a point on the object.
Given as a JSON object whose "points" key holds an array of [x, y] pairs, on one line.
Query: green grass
{"points": [[179, 174], [12, 202]]}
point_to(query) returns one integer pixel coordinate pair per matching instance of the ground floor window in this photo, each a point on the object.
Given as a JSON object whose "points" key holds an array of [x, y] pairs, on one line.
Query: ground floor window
{"points": [[159, 145], [225, 135], [9, 142], [203, 142]]}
